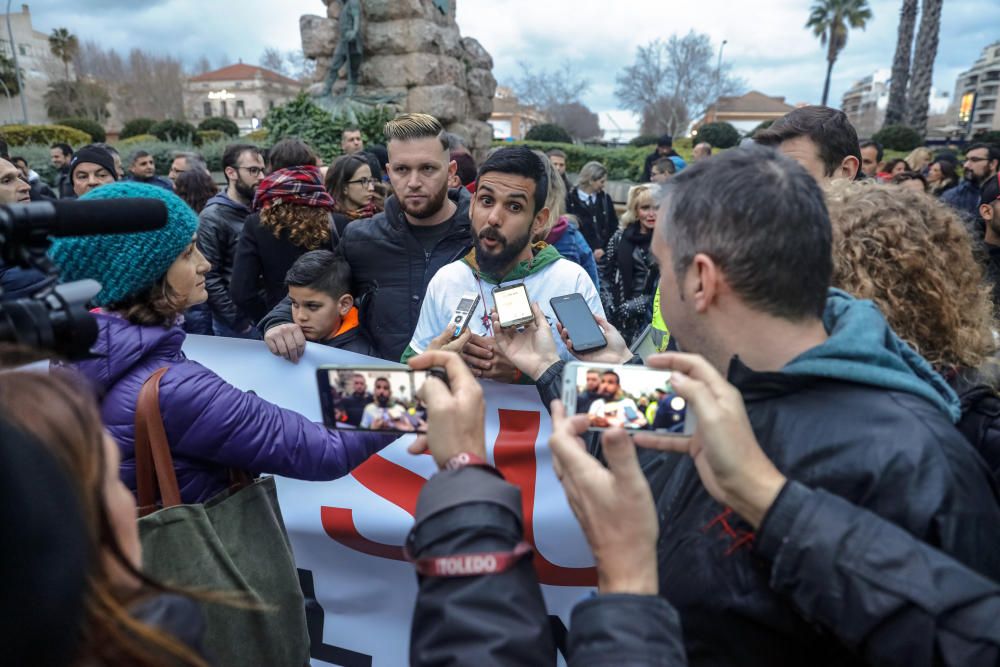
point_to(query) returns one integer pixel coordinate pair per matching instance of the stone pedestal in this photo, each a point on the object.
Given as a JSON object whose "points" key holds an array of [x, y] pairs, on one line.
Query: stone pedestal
{"points": [[414, 53]]}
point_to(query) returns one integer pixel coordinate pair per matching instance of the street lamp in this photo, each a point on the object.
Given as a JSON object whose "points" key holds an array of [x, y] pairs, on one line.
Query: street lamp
{"points": [[17, 69], [718, 72]]}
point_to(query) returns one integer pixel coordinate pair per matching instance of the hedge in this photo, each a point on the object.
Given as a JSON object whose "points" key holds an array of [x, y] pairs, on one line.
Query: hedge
{"points": [[173, 130], [136, 127], [21, 135], [91, 127], [623, 164], [209, 136], [136, 139], [217, 123]]}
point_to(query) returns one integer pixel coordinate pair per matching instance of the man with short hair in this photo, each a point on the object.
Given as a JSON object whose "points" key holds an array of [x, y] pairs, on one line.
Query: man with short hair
{"points": [[613, 408], [219, 227], [981, 164], [142, 169], [819, 138], [62, 155], [185, 161], [664, 148], [39, 189], [384, 413], [508, 210], [592, 383], [350, 141], [871, 157], [354, 404], [394, 254], [17, 282], [92, 167], [662, 170], [701, 151], [558, 159]]}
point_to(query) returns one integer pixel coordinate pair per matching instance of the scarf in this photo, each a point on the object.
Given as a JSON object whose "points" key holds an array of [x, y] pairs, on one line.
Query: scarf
{"points": [[301, 186], [631, 239], [367, 211]]}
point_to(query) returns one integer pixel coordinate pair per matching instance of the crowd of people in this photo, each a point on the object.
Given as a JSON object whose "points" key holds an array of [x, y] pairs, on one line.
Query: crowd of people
{"points": [[837, 504]]}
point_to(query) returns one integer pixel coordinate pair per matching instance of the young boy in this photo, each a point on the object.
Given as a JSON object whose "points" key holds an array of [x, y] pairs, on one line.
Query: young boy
{"points": [[319, 288]]}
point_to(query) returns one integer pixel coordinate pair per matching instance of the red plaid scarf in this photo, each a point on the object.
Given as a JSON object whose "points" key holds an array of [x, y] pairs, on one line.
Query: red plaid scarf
{"points": [[292, 185]]}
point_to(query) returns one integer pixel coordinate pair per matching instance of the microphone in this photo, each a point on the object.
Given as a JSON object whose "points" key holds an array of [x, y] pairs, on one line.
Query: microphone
{"points": [[27, 222]]}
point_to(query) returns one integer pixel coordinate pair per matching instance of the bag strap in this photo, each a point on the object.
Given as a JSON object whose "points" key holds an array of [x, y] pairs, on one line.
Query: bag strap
{"points": [[154, 465]]}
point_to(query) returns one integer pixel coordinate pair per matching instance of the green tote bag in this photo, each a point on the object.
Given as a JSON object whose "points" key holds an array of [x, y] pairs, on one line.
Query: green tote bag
{"points": [[233, 543]]}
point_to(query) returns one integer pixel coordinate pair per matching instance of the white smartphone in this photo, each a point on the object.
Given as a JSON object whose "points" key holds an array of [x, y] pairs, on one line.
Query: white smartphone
{"points": [[513, 306], [463, 312], [629, 396]]}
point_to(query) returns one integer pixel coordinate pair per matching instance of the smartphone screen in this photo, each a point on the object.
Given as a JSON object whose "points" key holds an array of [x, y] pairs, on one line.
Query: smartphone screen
{"points": [[372, 399], [576, 317], [632, 397], [512, 305]]}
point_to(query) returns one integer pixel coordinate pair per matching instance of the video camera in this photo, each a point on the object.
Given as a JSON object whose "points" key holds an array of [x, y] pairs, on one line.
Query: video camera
{"points": [[56, 317]]}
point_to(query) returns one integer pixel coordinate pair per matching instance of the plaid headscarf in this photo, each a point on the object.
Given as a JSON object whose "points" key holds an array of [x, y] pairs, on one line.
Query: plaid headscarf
{"points": [[293, 185]]}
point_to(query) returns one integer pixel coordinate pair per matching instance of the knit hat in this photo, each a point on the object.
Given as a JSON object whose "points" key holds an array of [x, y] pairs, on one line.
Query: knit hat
{"points": [[302, 186], [126, 264], [94, 155]]}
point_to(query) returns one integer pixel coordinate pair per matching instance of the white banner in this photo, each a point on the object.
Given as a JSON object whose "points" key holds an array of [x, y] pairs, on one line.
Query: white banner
{"points": [[348, 534]]}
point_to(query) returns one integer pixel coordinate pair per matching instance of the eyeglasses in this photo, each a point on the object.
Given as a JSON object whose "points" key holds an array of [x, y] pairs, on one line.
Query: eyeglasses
{"points": [[253, 171], [365, 182], [976, 159]]}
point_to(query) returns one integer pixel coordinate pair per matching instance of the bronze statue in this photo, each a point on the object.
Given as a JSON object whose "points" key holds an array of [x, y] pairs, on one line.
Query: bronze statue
{"points": [[349, 49]]}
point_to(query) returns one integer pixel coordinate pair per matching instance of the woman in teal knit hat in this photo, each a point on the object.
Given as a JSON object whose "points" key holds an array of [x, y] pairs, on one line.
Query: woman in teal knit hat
{"points": [[148, 280]]}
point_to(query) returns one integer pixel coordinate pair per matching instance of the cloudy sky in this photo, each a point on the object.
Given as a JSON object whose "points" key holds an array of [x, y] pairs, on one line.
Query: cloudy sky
{"points": [[767, 44]]}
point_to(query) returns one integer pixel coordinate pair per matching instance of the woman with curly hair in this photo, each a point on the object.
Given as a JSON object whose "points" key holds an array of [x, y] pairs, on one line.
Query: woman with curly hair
{"points": [[292, 215], [913, 257], [628, 271]]}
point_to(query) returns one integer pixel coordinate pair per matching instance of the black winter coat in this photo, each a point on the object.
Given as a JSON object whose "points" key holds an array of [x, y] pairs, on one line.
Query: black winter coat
{"points": [[980, 422], [262, 260], [598, 222], [390, 271], [629, 307], [219, 226]]}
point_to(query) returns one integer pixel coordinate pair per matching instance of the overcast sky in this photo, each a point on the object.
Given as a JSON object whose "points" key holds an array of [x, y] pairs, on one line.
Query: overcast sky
{"points": [[767, 44]]}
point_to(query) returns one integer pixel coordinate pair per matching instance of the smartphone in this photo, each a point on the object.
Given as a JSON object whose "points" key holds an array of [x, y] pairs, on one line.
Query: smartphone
{"points": [[616, 395], [513, 306], [574, 313], [463, 312], [373, 398]]}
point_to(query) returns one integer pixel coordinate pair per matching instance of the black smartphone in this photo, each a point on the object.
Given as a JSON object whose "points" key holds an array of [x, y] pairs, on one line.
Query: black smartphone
{"points": [[575, 315], [513, 306], [373, 398]]}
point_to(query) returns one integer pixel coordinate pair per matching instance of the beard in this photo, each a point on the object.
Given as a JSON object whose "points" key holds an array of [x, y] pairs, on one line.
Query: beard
{"points": [[493, 263], [608, 397], [432, 205], [383, 401], [245, 191]]}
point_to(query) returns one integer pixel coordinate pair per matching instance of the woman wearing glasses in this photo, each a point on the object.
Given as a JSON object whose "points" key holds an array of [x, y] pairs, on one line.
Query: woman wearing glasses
{"points": [[292, 215], [350, 182]]}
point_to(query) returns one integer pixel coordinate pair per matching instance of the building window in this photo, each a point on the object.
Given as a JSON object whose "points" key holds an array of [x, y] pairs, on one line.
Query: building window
{"points": [[241, 111], [225, 111], [22, 49], [207, 109]]}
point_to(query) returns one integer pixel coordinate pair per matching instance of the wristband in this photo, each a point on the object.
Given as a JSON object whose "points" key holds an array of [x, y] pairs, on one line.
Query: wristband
{"points": [[471, 564], [463, 459]]}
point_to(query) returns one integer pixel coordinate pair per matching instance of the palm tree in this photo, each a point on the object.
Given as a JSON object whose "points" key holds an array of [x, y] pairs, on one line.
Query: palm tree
{"points": [[918, 100], [64, 46], [896, 109], [830, 20]]}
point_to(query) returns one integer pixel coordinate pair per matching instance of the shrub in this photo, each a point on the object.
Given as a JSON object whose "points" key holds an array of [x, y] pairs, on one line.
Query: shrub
{"points": [[173, 130], [987, 137], [19, 135], [91, 127], [720, 135], [135, 140], [259, 137], [303, 119], [644, 140], [208, 136], [136, 127], [548, 132], [224, 125], [898, 137]]}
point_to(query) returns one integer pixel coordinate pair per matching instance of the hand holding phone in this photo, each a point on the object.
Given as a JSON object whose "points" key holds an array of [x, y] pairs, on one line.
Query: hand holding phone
{"points": [[574, 313], [512, 305]]}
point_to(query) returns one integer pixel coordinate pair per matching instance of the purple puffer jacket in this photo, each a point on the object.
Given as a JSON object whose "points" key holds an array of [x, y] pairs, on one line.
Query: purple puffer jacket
{"points": [[211, 425]]}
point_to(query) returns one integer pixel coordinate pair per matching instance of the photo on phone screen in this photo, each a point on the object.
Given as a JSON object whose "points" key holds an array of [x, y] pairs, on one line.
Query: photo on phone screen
{"points": [[576, 317], [632, 397], [372, 399], [513, 306]]}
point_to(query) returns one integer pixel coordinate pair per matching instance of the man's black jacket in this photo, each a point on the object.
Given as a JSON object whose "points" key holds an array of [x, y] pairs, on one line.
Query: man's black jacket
{"points": [[219, 228], [390, 271]]}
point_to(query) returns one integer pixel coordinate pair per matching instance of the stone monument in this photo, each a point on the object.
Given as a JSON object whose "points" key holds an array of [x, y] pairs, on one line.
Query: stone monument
{"points": [[413, 57]]}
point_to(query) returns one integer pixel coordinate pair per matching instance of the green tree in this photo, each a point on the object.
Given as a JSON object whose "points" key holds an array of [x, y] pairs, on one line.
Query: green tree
{"points": [[831, 20], [918, 97], [548, 132], [77, 99], [896, 108], [9, 75], [315, 126], [64, 46], [899, 138], [225, 125], [720, 135], [173, 130], [135, 127]]}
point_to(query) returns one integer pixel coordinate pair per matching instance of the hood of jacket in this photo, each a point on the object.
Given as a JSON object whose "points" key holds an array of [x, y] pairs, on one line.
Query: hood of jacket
{"points": [[121, 346], [543, 254], [558, 230], [461, 197], [223, 199], [862, 348]]}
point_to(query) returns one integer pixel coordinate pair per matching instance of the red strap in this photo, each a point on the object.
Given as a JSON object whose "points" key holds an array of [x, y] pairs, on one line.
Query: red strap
{"points": [[463, 459], [473, 564]]}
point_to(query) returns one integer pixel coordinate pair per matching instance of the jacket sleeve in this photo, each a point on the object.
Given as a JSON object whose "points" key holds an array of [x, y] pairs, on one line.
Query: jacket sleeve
{"points": [[884, 593], [280, 314], [587, 260], [213, 240], [611, 224], [493, 619], [244, 285], [607, 268], [619, 629], [208, 418]]}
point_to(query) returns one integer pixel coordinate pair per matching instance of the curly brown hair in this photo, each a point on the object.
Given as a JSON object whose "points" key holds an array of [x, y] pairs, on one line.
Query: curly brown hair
{"points": [[913, 257], [308, 226]]}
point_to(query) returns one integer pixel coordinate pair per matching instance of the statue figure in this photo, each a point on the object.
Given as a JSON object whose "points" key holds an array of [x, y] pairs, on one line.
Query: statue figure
{"points": [[349, 49]]}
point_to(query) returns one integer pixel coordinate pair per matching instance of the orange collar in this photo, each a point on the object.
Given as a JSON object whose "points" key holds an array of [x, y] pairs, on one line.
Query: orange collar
{"points": [[349, 322]]}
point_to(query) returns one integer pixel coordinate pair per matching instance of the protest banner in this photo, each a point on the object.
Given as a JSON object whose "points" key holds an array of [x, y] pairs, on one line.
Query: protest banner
{"points": [[348, 534]]}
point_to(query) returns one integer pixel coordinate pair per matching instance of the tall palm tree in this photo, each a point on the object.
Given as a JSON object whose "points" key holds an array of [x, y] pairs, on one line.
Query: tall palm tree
{"points": [[64, 46], [918, 100], [895, 111], [831, 20]]}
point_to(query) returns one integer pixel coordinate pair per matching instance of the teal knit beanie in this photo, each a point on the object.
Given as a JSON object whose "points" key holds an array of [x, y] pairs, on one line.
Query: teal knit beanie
{"points": [[126, 264]]}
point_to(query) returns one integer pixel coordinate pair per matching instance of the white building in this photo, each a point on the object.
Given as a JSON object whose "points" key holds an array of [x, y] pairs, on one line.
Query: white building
{"points": [[243, 93], [38, 68], [976, 93], [866, 101]]}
